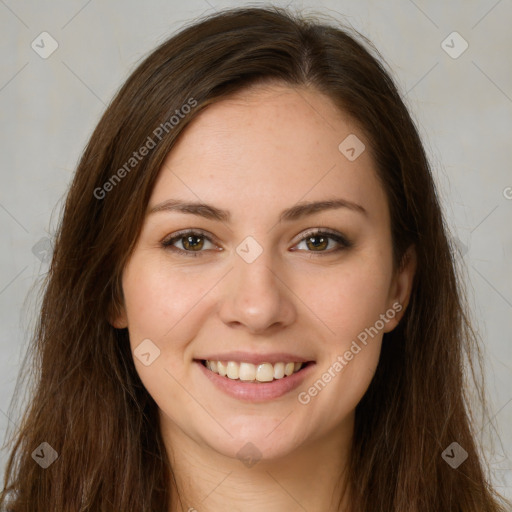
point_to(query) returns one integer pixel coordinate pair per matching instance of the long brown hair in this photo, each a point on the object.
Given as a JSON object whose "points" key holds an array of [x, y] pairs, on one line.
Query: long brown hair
{"points": [[88, 402]]}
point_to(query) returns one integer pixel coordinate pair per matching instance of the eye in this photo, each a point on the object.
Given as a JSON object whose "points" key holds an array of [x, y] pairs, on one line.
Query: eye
{"points": [[192, 242], [318, 240]]}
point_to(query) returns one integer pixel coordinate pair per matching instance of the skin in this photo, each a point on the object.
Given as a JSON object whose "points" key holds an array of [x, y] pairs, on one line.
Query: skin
{"points": [[256, 154]]}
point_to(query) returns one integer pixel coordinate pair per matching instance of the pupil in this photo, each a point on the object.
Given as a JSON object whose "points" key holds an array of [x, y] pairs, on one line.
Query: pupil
{"points": [[321, 243], [189, 242]]}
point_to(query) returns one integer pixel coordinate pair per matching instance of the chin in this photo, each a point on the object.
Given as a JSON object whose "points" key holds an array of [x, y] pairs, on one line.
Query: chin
{"points": [[254, 441]]}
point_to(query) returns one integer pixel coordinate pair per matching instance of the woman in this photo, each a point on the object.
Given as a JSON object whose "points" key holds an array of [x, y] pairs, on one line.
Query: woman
{"points": [[252, 303]]}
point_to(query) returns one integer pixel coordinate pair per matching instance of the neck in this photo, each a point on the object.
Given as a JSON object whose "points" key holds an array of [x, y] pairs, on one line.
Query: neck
{"points": [[312, 478]]}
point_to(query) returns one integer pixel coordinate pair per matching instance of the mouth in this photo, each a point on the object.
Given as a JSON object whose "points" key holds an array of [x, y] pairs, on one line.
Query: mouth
{"points": [[255, 373], [256, 382]]}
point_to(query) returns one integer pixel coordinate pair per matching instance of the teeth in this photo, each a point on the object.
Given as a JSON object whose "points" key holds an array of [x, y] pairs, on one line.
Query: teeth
{"points": [[248, 372], [278, 370]]}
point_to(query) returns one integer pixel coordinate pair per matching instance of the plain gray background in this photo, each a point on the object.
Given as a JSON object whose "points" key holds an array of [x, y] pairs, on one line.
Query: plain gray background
{"points": [[463, 107]]}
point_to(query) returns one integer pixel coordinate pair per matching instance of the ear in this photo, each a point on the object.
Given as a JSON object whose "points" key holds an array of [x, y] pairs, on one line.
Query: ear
{"points": [[117, 316], [401, 287], [120, 321], [116, 313]]}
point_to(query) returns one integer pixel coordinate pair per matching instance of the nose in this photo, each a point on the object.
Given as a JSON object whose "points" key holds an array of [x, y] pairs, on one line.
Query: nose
{"points": [[256, 297]]}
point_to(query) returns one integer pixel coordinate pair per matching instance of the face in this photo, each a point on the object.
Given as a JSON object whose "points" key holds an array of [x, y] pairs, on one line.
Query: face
{"points": [[258, 278]]}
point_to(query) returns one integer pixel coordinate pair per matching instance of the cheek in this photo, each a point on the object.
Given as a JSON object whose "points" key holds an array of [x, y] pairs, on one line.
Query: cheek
{"points": [[349, 299], [343, 382], [159, 299], [160, 302], [351, 346], [352, 307]]}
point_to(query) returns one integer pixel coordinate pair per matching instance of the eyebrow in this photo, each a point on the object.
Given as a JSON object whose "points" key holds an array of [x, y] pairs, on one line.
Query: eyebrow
{"points": [[296, 212]]}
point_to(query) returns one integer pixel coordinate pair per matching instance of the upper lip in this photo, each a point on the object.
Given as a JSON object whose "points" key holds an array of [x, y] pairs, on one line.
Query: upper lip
{"points": [[247, 357]]}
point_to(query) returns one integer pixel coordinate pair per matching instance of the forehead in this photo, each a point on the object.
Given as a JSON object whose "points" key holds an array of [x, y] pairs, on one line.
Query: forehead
{"points": [[269, 145]]}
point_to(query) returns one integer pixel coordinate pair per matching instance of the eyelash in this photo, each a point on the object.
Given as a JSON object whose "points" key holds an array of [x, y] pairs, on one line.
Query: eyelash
{"points": [[344, 242]]}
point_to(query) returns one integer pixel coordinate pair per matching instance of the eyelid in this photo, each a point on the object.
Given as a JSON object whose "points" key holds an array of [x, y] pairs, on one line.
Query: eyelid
{"points": [[168, 241], [340, 239], [188, 231]]}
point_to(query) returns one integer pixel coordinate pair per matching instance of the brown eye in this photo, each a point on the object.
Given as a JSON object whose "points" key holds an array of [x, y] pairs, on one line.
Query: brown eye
{"points": [[192, 243], [319, 241]]}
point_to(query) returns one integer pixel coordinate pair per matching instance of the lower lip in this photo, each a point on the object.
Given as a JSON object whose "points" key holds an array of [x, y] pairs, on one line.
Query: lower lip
{"points": [[257, 391]]}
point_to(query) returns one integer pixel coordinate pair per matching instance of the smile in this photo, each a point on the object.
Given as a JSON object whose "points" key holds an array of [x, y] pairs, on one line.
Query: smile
{"points": [[248, 372], [241, 380]]}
